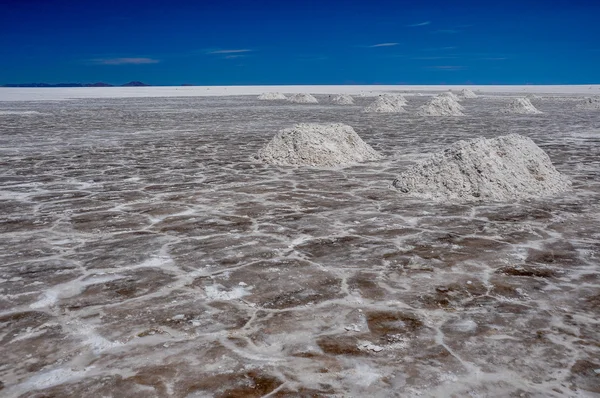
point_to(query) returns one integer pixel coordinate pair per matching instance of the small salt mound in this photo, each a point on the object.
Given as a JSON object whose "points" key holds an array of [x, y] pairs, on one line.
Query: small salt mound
{"points": [[449, 94], [312, 144], [466, 93], [302, 98], [521, 106], [397, 98], [590, 103], [343, 99], [386, 104], [271, 97], [509, 167], [441, 106], [533, 97]]}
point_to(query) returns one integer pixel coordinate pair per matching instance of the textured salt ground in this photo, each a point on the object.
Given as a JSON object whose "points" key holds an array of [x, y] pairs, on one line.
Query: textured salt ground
{"points": [[510, 167], [146, 255], [592, 103]]}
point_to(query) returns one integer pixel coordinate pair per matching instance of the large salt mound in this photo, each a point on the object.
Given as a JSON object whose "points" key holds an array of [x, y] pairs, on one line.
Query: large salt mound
{"points": [[466, 93], [302, 98], [590, 103], [521, 106], [312, 144], [441, 106], [386, 104], [343, 99], [505, 168], [271, 97]]}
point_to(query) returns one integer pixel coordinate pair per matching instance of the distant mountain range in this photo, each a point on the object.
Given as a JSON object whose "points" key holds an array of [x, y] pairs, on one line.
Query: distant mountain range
{"points": [[99, 84]]}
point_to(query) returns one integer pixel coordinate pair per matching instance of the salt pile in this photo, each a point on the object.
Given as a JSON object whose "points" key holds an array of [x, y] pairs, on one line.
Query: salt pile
{"points": [[303, 98], [272, 97], [312, 144], [590, 103], [521, 106], [387, 104], [441, 105], [396, 98], [449, 94], [466, 93], [509, 167], [343, 99]]}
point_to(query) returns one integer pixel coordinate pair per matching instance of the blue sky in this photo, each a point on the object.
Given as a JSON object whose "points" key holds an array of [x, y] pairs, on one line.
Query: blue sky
{"points": [[209, 42]]}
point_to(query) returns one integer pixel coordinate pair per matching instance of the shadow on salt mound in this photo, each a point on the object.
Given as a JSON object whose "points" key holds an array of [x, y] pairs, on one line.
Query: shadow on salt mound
{"points": [[272, 97], [302, 98], [312, 144], [505, 168], [386, 104], [441, 106], [342, 99], [520, 106]]}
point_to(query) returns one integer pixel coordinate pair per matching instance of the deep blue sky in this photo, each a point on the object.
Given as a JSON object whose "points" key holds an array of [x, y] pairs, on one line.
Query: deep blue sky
{"points": [[210, 42]]}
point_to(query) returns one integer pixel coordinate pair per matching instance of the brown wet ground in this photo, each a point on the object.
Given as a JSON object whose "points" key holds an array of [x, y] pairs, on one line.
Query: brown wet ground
{"points": [[143, 253]]}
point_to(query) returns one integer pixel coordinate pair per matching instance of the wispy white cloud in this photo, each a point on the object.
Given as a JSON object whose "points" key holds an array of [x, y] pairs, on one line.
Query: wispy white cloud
{"points": [[125, 61], [237, 51], [383, 45], [419, 24], [234, 56]]}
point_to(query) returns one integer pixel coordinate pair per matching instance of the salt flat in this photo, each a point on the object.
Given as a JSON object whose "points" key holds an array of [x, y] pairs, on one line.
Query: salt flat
{"points": [[41, 94], [145, 253]]}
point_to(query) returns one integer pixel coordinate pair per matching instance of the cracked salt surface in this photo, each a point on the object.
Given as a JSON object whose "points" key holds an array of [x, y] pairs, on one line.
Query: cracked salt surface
{"points": [[146, 254]]}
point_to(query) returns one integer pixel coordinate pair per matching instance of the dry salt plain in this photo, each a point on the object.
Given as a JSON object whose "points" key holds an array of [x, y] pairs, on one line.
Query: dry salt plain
{"points": [[145, 253]]}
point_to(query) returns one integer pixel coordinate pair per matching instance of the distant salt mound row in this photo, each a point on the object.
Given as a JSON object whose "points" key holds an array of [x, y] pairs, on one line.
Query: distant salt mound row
{"points": [[272, 97], [441, 105], [590, 103], [521, 106], [302, 98], [509, 167], [312, 144], [466, 93], [343, 99], [386, 104]]}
